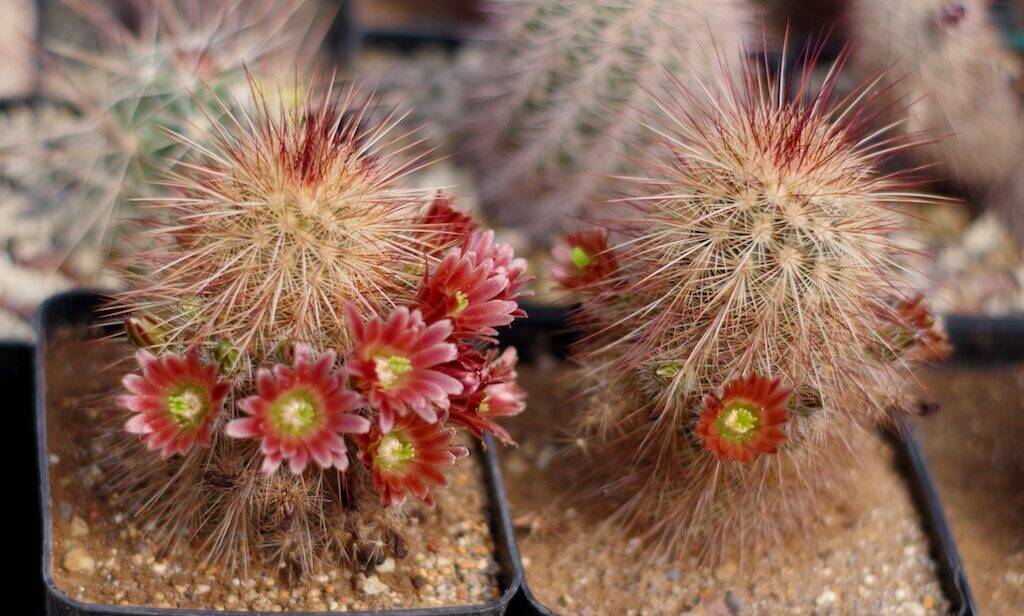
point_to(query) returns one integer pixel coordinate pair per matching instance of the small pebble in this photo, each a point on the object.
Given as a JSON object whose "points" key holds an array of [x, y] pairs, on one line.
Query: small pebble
{"points": [[79, 528], [373, 586], [77, 560], [387, 566], [826, 598]]}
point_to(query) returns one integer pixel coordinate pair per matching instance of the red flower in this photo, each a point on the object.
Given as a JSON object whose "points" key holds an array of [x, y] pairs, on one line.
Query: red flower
{"points": [[175, 400], [482, 247], [583, 259], [445, 225], [300, 413], [745, 420], [470, 366], [394, 363], [497, 395], [912, 327], [409, 458], [468, 294]]}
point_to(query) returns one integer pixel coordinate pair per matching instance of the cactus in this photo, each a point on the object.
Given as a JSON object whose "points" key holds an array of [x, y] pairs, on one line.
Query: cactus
{"points": [[750, 325], [562, 92], [132, 93], [310, 337], [949, 59]]}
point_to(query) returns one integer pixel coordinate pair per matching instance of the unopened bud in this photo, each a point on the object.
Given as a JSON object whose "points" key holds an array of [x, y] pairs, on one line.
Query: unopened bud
{"points": [[144, 331], [228, 356]]}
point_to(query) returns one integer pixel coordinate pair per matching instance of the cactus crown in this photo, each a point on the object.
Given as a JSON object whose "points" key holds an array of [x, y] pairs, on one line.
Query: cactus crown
{"points": [[753, 317], [281, 224]]}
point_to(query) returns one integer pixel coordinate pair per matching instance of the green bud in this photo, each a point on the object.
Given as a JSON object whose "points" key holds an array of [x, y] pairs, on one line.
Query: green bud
{"points": [[228, 356], [144, 331], [668, 370], [191, 308]]}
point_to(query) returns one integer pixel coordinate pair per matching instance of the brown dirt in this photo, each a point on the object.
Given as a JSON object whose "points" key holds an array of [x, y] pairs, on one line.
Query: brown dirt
{"points": [[975, 454], [101, 556], [872, 556]]}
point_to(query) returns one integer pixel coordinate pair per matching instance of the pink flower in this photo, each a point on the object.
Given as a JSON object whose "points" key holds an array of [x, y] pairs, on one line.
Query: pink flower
{"points": [[175, 401], [583, 260], [395, 362], [482, 247], [444, 225], [468, 294], [498, 395], [410, 458], [300, 413]]}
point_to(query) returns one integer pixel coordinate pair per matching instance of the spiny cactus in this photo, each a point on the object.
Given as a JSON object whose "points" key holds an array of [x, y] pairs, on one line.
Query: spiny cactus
{"points": [[133, 92], [562, 93], [750, 325], [949, 60], [311, 335]]}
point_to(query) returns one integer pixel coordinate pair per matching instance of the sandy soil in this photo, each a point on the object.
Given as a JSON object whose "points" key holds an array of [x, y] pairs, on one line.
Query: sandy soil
{"points": [[975, 452]]}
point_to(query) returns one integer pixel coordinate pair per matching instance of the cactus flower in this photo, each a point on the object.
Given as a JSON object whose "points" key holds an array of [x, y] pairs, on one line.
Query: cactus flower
{"points": [[445, 225], [175, 401], [395, 364], [482, 246], [583, 259], [468, 294], [746, 420], [409, 458], [497, 395], [911, 326], [300, 413]]}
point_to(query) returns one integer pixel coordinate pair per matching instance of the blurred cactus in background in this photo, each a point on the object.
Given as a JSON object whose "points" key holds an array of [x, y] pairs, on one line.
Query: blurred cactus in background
{"points": [[750, 327], [950, 61], [130, 95], [311, 335], [559, 102]]}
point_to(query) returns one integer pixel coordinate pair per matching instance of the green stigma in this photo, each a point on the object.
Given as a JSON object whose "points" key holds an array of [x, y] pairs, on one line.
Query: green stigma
{"points": [[669, 370], [737, 423], [580, 258], [484, 407], [295, 413], [390, 369], [393, 452], [187, 407], [461, 303]]}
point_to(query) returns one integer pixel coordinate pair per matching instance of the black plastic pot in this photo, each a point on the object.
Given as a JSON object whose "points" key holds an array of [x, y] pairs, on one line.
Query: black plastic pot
{"points": [[548, 331], [347, 36], [78, 309]]}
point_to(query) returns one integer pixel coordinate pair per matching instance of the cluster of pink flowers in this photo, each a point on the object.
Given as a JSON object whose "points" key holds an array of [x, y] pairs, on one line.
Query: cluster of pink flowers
{"points": [[410, 380]]}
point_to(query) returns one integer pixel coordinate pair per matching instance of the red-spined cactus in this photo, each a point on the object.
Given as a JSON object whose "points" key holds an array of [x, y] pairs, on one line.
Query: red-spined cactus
{"points": [[561, 95], [750, 324], [313, 335]]}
